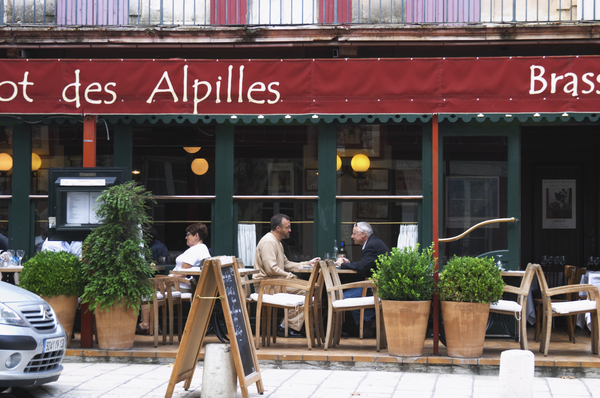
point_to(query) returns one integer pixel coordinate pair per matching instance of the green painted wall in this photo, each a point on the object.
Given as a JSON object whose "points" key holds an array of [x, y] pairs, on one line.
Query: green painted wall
{"points": [[21, 216]]}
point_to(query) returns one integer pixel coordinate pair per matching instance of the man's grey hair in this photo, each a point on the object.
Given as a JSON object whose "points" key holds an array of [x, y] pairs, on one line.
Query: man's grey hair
{"points": [[365, 227]]}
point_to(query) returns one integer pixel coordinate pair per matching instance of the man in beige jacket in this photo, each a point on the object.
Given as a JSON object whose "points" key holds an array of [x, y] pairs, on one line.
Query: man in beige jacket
{"points": [[272, 263]]}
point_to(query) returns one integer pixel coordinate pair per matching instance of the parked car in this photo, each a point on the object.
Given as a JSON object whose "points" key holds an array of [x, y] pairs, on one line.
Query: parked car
{"points": [[32, 341]]}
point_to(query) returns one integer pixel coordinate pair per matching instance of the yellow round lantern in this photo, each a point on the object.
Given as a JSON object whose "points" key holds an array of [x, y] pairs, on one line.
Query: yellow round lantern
{"points": [[36, 162], [200, 166], [6, 162], [192, 149], [360, 163], [338, 163]]}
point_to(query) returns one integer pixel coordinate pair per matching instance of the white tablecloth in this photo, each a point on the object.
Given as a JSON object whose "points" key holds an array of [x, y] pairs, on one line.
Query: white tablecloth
{"points": [[592, 278]]}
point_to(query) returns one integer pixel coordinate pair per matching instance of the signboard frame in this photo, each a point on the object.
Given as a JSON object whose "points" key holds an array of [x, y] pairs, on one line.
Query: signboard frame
{"points": [[220, 279]]}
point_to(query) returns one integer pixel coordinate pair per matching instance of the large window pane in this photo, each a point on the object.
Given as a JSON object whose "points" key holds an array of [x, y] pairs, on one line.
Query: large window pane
{"points": [[163, 158], [475, 190], [388, 219], [300, 245], [275, 160], [393, 159]]}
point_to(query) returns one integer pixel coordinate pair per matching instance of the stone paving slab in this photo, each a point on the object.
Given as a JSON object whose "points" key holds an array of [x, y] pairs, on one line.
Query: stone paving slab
{"points": [[107, 380]]}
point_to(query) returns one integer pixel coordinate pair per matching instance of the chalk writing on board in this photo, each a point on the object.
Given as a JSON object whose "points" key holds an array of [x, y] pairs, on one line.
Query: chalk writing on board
{"points": [[238, 320]]}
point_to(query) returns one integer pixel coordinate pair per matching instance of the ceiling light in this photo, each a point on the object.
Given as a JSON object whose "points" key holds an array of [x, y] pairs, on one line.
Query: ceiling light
{"points": [[200, 166], [192, 149]]}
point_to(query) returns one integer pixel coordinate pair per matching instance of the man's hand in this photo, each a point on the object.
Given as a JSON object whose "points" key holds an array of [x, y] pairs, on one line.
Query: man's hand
{"points": [[314, 261], [341, 260]]}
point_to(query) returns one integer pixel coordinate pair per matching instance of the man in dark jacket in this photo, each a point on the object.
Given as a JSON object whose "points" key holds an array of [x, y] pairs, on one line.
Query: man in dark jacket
{"points": [[372, 247]]}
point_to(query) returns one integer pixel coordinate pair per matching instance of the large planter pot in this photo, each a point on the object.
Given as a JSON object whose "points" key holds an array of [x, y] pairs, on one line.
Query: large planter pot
{"points": [[115, 327], [464, 326], [65, 308], [405, 326]]}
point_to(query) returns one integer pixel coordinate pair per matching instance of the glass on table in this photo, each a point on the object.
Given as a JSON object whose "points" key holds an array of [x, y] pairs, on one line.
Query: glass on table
{"points": [[20, 255]]}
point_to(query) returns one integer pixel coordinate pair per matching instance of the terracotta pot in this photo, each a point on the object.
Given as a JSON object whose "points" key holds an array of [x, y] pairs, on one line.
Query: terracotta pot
{"points": [[405, 326], [464, 326], [116, 327], [65, 308]]}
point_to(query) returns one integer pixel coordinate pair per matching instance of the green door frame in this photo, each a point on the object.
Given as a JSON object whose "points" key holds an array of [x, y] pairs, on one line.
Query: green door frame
{"points": [[512, 132]]}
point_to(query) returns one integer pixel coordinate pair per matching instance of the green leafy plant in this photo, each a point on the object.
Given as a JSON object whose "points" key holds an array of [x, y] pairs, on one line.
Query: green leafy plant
{"points": [[405, 275], [471, 280], [115, 253], [53, 274]]}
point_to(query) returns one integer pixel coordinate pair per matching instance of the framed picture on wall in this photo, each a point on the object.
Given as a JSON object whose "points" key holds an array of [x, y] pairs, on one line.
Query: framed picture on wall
{"points": [[353, 138], [281, 178], [373, 210], [311, 182], [558, 204], [374, 180]]}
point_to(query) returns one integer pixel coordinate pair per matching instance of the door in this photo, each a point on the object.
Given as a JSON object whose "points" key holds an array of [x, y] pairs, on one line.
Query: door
{"points": [[559, 206]]}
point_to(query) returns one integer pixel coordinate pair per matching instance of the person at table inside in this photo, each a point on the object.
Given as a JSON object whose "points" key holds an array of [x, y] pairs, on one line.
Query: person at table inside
{"points": [[271, 262], [195, 235], [372, 247], [157, 248]]}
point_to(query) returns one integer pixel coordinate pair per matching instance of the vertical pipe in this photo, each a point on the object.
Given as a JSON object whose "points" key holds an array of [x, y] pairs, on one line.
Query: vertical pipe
{"points": [[435, 227], [89, 141]]}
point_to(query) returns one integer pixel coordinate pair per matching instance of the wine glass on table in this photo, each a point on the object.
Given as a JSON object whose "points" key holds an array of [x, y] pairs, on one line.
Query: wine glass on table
{"points": [[562, 260], [20, 255], [544, 260]]}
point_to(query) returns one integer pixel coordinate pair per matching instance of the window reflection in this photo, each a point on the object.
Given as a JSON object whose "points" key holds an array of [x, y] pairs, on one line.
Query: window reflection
{"points": [[475, 187], [163, 159], [275, 160], [300, 245]]}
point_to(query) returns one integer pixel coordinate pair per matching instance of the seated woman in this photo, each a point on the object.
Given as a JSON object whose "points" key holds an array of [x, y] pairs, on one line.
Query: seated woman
{"points": [[195, 235]]}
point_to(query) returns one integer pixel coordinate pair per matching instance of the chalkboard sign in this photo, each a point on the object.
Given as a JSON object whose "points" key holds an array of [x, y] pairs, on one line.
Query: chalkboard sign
{"points": [[220, 279], [238, 319]]}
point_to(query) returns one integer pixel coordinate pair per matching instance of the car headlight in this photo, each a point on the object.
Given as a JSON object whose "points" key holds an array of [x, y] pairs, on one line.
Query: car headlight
{"points": [[10, 317]]}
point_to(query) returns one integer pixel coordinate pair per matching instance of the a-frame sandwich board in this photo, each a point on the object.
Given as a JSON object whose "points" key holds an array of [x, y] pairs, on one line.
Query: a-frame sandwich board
{"points": [[220, 279]]}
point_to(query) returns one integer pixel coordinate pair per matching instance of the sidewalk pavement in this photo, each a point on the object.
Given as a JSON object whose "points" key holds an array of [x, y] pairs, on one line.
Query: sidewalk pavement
{"points": [[109, 380]]}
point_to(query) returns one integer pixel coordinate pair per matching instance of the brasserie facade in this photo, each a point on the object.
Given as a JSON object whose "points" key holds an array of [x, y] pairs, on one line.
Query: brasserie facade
{"points": [[228, 126]]}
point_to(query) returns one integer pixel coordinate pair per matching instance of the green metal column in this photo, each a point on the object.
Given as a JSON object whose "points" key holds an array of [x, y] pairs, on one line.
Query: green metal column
{"points": [[224, 225], [325, 214], [123, 148], [514, 194], [20, 214]]}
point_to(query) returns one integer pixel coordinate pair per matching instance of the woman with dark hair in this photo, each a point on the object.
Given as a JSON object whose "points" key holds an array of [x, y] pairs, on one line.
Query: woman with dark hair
{"points": [[195, 235]]}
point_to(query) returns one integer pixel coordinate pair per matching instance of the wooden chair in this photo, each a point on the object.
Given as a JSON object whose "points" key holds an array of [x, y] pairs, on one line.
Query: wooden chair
{"points": [[518, 308], [174, 301], [553, 309], [158, 300], [576, 276], [336, 305], [555, 276], [272, 294]]}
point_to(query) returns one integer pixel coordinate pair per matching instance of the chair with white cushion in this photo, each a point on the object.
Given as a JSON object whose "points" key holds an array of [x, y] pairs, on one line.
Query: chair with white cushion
{"points": [[272, 294], [337, 304], [517, 308], [552, 309], [158, 300]]}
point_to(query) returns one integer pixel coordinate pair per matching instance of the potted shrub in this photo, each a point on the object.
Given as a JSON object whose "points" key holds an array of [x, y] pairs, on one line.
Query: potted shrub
{"points": [[59, 279], [114, 256], [466, 288], [405, 284]]}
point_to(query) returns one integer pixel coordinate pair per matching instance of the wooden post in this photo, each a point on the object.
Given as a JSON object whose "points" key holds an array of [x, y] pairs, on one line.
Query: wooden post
{"points": [[435, 231], [89, 160]]}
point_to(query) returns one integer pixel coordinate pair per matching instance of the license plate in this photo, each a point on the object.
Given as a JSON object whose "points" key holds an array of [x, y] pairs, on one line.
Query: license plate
{"points": [[51, 345]]}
